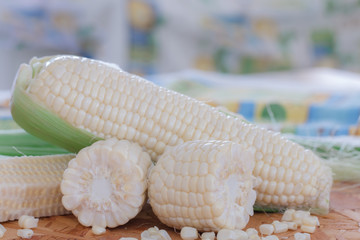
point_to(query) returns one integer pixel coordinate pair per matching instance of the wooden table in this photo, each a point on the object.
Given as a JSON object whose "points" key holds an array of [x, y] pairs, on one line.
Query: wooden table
{"points": [[343, 222]]}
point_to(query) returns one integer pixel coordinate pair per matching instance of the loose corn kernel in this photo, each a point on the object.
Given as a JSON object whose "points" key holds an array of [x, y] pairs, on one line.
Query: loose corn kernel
{"points": [[251, 231], [291, 225], [26, 221], [188, 233], [288, 215], [299, 216], [308, 229], [155, 234], [98, 230], [25, 233], [266, 229], [302, 236], [310, 221], [2, 231], [208, 236], [254, 237], [228, 234], [270, 237], [279, 227]]}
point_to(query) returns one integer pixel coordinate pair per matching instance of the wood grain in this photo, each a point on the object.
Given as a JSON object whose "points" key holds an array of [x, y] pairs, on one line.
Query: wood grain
{"points": [[341, 223]]}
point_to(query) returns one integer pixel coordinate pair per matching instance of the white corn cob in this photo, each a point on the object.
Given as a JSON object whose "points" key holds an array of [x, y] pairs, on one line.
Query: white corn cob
{"points": [[105, 185], [31, 186], [88, 100], [203, 184]]}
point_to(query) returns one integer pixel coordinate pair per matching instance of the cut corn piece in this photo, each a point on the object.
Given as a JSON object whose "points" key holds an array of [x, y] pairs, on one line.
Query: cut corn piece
{"points": [[26, 221], [266, 229], [302, 236], [208, 236], [72, 102], [308, 229], [2, 231], [105, 184], [155, 233], [25, 233], [203, 184], [188, 233], [31, 186]]}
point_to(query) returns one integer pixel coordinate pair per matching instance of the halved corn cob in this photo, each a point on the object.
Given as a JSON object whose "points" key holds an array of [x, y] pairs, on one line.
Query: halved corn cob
{"points": [[207, 185], [73, 102], [105, 185], [31, 186]]}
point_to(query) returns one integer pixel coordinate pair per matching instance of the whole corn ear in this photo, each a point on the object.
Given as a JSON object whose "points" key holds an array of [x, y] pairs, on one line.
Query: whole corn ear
{"points": [[207, 185], [73, 102], [105, 185], [31, 186]]}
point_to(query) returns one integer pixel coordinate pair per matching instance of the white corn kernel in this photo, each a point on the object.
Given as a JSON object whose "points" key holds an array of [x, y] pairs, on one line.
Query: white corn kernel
{"points": [[155, 234], [302, 236], [308, 229], [25, 233], [208, 236], [251, 231], [229, 234], [189, 233], [310, 221], [291, 225], [288, 215], [270, 237], [98, 230], [279, 227], [2, 231], [299, 215], [254, 237], [26, 221], [266, 229]]}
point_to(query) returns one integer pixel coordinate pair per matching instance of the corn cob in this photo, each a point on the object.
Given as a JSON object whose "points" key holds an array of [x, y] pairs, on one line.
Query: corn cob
{"points": [[207, 185], [105, 185], [31, 186], [73, 102]]}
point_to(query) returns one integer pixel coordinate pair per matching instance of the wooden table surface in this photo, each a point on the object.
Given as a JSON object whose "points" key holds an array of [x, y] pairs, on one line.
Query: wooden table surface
{"points": [[343, 222]]}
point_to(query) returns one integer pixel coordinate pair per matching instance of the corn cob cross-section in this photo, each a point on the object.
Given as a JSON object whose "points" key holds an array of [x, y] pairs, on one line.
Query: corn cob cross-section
{"points": [[73, 102], [207, 185], [31, 186]]}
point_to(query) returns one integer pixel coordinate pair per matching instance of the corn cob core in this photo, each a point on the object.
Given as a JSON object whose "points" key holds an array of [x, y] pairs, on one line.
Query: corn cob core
{"points": [[31, 186], [99, 100], [207, 185], [105, 185]]}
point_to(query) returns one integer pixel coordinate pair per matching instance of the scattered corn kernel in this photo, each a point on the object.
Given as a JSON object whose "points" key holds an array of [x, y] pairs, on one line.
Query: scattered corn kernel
{"points": [[270, 237], [254, 237], [288, 215], [266, 229], [280, 227], [299, 215], [189, 233], [291, 225], [308, 229], [208, 236], [155, 234], [2, 231], [227, 234], [310, 221], [251, 231], [98, 230], [26, 221], [302, 236], [25, 233]]}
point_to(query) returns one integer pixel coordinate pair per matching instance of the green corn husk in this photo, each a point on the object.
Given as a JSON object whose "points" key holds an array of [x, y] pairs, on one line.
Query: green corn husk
{"points": [[23, 108], [17, 142]]}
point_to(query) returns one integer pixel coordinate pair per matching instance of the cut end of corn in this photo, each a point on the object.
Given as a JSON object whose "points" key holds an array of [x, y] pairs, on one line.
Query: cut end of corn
{"points": [[203, 184], [105, 185]]}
